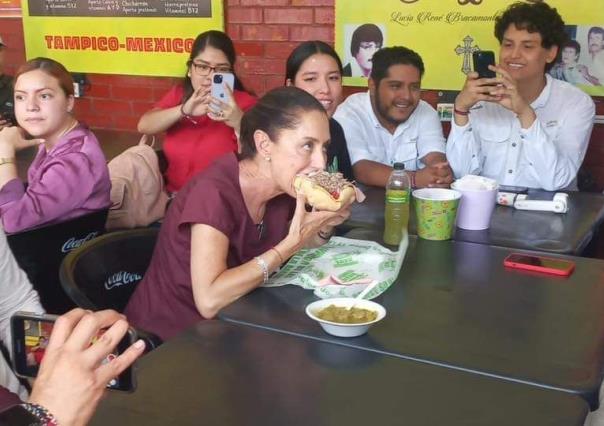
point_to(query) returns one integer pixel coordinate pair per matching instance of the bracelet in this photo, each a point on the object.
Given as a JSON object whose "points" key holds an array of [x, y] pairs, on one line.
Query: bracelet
{"points": [[278, 254], [412, 180], [324, 236], [41, 413], [185, 115], [262, 263], [460, 112], [8, 160]]}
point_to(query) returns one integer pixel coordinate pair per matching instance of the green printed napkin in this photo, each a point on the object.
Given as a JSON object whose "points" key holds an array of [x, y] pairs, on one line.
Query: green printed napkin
{"points": [[347, 259]]}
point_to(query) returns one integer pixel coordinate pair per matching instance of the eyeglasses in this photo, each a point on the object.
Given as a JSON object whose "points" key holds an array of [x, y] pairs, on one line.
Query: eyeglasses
{"points": [[204, 69]]}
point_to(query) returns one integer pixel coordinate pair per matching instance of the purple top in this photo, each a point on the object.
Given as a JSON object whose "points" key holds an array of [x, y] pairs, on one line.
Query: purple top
{"points": [[68, 181], [163, 301]]}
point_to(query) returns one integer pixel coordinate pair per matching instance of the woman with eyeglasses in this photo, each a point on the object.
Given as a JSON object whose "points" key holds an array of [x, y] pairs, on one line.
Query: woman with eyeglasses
{"points": [[198, 127]]}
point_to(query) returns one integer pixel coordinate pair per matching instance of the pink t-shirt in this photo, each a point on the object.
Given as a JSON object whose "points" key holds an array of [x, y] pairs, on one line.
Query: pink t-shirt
{"points": [[163, 301], [191, 145]]}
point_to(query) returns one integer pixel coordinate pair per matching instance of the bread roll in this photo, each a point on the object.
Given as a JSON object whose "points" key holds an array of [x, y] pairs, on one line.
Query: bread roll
{"points": [[325, 191]]}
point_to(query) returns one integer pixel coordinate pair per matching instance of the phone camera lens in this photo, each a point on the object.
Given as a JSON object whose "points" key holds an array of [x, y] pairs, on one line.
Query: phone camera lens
{"points": [[218, 78]]}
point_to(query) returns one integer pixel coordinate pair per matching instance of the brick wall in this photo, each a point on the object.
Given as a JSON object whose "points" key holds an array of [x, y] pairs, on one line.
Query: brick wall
{"points": [[264, 32]]}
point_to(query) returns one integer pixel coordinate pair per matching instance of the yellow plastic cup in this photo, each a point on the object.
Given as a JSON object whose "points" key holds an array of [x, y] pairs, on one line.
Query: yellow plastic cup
{"points": [[436, 210]]}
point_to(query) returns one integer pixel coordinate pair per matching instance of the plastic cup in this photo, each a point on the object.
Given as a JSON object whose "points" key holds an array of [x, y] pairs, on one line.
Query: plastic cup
{"points": [[476, 205], [436, 209]]}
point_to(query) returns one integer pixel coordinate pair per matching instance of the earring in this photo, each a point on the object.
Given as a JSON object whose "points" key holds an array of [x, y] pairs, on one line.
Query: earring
{"points": [[267, 158]]}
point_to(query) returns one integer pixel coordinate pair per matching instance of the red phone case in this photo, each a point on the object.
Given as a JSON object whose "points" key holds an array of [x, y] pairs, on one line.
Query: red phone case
{"points": [[570, 266]]}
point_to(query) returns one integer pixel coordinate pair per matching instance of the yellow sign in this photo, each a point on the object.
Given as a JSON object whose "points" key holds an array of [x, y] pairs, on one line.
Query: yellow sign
{"points": [[136, 37], [446, 32]]}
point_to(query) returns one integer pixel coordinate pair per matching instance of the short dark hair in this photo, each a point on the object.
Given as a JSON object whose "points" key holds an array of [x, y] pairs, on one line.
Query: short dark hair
{"points": [[573, 44], [595, 30], [279, 109], [384, 58], [304, 51], [217, 40], [366, 32], [534, 18]]}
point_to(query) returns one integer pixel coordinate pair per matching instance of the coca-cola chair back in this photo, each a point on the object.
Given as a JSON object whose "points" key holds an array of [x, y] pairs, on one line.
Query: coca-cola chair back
{"points": [[103, 273], [40, 251]]}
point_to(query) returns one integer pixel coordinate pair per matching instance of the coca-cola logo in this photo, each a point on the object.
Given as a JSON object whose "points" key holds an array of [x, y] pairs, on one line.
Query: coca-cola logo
{"points": [[122, 278], [74, 243]]}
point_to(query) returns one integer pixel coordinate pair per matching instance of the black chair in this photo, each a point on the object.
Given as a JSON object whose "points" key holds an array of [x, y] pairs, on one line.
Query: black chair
{"points": [[40, 251], [103, 273]]}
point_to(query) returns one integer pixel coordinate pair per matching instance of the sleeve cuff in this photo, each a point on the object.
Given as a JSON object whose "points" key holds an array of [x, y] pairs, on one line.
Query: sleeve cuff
{"points": [[457, 128], [11, 191]]}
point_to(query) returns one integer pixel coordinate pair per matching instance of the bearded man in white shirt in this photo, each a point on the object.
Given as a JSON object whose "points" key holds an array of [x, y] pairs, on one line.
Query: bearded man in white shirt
{"points": [[522, 128], [391, 124]]}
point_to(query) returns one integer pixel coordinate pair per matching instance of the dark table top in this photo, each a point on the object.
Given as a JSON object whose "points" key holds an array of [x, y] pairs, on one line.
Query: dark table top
{"points": [[567, 233], [455, 304], [225, 374]]}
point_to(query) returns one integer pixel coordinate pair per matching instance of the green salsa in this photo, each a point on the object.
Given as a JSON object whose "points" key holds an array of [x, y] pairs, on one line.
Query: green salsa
{"points": [[344, 315]]}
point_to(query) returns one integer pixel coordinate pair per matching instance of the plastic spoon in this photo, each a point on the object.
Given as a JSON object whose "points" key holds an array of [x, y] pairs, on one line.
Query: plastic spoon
{"points": [[363, 293]]}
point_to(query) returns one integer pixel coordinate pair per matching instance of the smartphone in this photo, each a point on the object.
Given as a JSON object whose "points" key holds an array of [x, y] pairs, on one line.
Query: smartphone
{"points": [[218, 81], [514, 189], [540, 195], [548, 265], [31, 333], [481, 60]]}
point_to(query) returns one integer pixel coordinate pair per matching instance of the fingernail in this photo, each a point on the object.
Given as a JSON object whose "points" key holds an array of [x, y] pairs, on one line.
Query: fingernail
{"points": [[139, 344]]}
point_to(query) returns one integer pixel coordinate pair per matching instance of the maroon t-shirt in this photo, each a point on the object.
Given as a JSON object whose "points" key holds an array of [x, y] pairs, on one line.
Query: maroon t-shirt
{"points": [[7, 398], [163, 301]]}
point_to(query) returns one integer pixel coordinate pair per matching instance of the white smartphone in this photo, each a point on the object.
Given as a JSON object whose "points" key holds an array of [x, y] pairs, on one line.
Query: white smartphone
{"points": [[218, 90]]}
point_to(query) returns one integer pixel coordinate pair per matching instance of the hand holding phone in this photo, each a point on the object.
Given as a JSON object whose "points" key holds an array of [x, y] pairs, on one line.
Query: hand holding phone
{"points": [[219, 80], [76, 365], [481, 60], [548, 265]]}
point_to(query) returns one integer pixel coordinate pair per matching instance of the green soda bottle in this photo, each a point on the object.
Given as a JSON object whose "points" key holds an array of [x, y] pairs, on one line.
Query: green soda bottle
{"points": [[396, 214]]}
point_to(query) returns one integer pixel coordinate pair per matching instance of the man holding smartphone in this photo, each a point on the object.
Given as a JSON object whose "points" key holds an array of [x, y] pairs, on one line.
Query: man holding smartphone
{"points": [[6, 92], [522, 128]]}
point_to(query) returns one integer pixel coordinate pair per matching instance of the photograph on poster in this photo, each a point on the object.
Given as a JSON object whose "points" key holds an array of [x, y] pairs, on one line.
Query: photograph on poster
{"points": [[10, 8], [362, 42], [581, 59]]}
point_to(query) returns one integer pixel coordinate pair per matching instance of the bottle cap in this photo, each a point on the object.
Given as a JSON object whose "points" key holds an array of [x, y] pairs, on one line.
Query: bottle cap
{"points": [[399, 166]]}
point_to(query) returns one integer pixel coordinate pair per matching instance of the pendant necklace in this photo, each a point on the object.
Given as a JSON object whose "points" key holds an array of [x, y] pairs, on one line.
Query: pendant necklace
{"points": [[260, 227]]}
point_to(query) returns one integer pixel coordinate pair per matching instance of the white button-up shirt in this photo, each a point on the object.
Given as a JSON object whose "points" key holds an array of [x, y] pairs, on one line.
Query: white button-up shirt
{"points": [[546, 155], [366, 139]]}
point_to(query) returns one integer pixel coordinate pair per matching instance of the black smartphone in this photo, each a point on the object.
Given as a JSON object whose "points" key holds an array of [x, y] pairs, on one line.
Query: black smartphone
{"points": [[481, 60], [31, 333], [541, 195], [514, 189]]}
